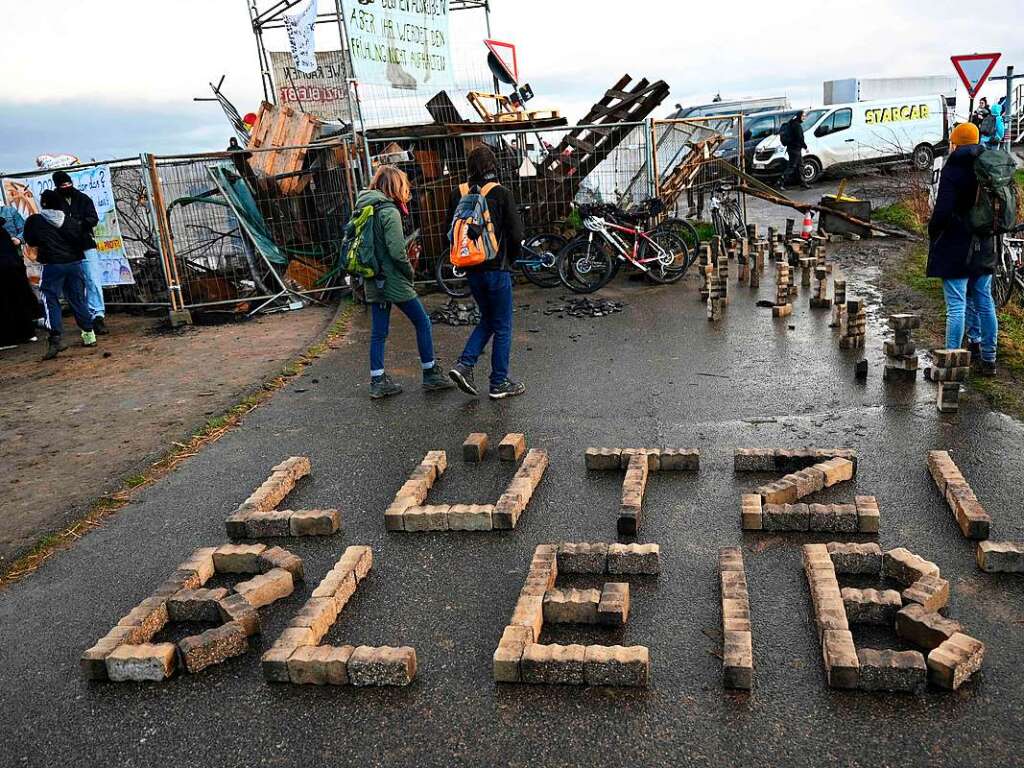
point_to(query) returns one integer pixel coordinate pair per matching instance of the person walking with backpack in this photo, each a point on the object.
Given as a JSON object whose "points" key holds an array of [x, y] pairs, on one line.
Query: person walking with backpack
{"points": [[381, 207], [791, 136], [993, 128], [57, 241], [959, 255], [486, 238]]}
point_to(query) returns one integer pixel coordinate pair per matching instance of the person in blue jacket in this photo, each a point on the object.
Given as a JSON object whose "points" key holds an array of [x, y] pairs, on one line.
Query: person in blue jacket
{"points": [[964, 261], [993, 127]]}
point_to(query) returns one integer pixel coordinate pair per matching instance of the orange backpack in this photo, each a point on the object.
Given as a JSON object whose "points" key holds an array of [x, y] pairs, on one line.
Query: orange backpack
{"points": [[472, 237]]}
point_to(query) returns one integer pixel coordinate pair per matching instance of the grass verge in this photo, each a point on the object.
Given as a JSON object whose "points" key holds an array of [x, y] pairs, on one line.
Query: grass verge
{"points": [[210, 432], [900, 214], [1004, 391]]}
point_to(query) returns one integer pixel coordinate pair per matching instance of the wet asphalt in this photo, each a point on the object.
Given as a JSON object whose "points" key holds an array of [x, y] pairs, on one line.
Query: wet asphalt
{"points": [[658, 374]]}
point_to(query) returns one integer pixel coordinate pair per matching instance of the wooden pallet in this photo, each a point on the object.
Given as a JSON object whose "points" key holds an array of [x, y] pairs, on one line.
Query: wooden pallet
{"points": [[282, 127], [682, 175]]}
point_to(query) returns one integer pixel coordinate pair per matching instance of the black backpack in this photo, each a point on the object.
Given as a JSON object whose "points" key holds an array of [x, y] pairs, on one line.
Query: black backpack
{"points": [[786, 133], [988, 125]]}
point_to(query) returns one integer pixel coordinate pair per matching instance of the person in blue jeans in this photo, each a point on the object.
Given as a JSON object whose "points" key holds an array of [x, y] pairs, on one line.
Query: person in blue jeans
{"points": [[389, 193], [491, 284], [57, 241], [81, 213], [963, 260]]}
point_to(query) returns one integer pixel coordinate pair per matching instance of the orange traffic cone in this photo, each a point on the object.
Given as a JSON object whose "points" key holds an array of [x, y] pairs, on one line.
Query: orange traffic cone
{"points": [[808, 227]]}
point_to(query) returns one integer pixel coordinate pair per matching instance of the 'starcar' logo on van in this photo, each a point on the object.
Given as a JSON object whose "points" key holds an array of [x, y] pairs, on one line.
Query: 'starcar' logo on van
{"points": [[896, 114]]}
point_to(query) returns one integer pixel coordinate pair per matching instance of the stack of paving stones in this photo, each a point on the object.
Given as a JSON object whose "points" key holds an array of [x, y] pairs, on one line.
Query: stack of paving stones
{"points": [[820, 299], [298, 657], [972, 518], [258, 517], [1001, 556], [707, 264], [737, 648], [901, 353], [521, 657], [127, 652], [855, 325], [638, 463], [838, 304], [410, 513], [806, 265], [783, 307], [952, 656], [951, 368], [743, 258]]}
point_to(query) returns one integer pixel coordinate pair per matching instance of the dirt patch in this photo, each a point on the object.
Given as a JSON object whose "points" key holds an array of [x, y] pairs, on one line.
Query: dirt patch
{"points": [[91, 421]]}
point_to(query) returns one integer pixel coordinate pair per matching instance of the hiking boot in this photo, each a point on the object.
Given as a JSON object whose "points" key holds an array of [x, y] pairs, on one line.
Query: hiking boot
{"points": [[507, 388], [53, 347], [987, 368], [99, 325], [88, 338], [383, 386], [462, 375], [434, 379]]}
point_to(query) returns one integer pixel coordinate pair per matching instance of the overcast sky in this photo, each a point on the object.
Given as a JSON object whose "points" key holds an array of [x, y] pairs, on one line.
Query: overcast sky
{"points": [[110, 78]]}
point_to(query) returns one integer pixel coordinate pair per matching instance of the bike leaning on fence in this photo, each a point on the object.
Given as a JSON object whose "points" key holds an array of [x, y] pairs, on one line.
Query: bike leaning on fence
{"points": [[1009, 274], [614, 237], [538, 262]]}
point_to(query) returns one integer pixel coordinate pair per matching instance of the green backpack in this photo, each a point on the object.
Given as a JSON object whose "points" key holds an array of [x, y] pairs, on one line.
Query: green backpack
{"points": [[358, 248], [995, 210]]}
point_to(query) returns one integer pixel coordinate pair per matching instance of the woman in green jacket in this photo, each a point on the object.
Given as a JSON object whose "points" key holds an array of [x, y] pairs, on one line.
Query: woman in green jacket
{"points": [[389, 194]]}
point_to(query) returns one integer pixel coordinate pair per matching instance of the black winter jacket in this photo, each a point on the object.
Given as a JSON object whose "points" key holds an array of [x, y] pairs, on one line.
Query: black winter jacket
{"points": [[83, 215], [949, 234], [796, 136], [54, 243], [508, 225]]}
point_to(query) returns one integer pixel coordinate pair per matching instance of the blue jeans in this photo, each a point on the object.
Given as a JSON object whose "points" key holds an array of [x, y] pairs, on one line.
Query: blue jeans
{"points": [[969, 307], [94, 284], [68, 280], [492, 291], [380, 316]]}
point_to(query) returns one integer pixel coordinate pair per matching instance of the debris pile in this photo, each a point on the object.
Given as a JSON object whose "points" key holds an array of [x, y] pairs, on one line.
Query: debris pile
{"points": [[585, 307], [456, 313]]}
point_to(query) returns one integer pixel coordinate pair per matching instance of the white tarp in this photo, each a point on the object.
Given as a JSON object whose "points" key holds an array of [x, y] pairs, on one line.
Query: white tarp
{"points": [[300, 37], [401, 43]]}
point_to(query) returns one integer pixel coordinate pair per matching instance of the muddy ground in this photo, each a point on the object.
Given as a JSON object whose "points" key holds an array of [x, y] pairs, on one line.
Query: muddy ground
{"points": [[74, 428]]}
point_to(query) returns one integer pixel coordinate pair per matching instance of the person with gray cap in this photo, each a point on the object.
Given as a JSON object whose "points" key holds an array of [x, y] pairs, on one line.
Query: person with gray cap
{"points": [[81, 213]]}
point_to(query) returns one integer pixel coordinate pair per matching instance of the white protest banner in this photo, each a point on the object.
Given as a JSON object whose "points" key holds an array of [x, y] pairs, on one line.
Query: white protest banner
{"points": [[322, 93], [300, 37], [401, 43], [24, 194]]}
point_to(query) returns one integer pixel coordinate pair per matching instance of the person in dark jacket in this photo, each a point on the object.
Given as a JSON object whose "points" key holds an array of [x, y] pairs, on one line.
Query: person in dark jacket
{"points": [[81, 211], [795, 146], [963, 260], [389, 194], [57, 241], [491, 283], [19, 308]]}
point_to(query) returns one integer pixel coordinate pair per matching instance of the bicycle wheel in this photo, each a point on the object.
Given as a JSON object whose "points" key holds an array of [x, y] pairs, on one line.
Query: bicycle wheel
{"points": [[687, 232], [665, 255], [585, 264], [539, 262], [451, 280], [1003, 279]]}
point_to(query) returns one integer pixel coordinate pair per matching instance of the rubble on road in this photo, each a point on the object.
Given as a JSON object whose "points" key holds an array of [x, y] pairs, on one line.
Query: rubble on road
{"points": [[585, 307], [456, 313]]}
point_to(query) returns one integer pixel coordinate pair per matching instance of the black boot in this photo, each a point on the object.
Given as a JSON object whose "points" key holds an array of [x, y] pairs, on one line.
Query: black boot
{"points": [[383, 386], [434, 380], [462, 375]]}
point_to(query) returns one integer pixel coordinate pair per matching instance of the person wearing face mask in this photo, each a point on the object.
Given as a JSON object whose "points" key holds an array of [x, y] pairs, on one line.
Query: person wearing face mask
{"points": [[81, 213]]}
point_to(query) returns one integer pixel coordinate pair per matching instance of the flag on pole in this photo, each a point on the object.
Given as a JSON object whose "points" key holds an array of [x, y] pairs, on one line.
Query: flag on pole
{"points": [[300, 36]]}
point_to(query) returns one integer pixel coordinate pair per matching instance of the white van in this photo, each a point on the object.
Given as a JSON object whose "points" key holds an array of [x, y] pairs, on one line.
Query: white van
{"points": [[868, 132]]}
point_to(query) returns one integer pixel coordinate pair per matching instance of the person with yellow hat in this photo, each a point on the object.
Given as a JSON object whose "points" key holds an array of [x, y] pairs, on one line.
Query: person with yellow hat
{"points": [[963, 260]]}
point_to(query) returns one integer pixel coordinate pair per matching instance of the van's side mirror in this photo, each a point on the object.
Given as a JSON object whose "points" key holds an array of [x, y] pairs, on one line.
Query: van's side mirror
{"points": [[823, 130]]}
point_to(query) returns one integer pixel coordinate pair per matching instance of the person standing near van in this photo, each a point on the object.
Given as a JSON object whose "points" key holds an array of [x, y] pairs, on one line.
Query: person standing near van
{"points": [[388, 194], [963, 260], [491, 281], [791, 135]]}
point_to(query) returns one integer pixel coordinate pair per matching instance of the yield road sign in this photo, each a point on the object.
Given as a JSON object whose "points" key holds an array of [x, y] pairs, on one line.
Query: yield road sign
{"points": [[974, 69], [505, 54]]}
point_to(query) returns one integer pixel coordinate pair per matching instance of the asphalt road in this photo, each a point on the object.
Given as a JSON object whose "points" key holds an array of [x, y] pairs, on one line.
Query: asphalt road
{"points": [[656, 375]]}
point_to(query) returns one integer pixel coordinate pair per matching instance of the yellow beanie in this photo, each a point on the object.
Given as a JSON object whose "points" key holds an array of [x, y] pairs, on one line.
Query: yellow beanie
{"points": [[964, 135]]}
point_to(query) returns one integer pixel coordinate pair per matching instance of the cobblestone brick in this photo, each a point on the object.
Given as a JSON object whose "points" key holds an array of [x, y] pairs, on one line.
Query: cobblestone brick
{"points": [[613, 608], [236, 608], [634, 559], [277, 557], [196, 605], [853, 558], [512, 447], [470, 517], [145, 620], [1001, 556], [93, 662], [141, 663], [602, 459], [553, 664], [266, 588], [925, 628], [786, 517], [475, 447], [318, 615], [737, 660], [754, 460], [261, 525], [842, 667], [320, 665], [930, 591], [315, 522], [238, 558], [571, 606], [429, 518], [837, 470], [751, 512], [905, 567], [617, 665], [871, 606], [509, 653], [955, 660], [887, 670], [868, 515], [214, 646], [679, 460], [582, 557], [529, 612], [382, 666]]}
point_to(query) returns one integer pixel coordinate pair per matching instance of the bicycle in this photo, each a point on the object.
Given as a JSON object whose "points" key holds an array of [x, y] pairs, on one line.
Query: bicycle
{"points": [[538, 263], [1009, 274], [592, 260], [726, 215]]}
